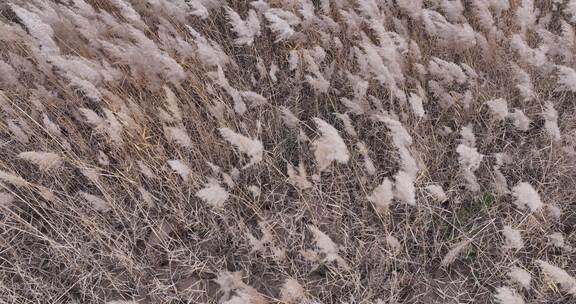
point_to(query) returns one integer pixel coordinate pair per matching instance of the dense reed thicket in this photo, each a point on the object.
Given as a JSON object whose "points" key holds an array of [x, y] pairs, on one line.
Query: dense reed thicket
{"points": [[288, 151]]}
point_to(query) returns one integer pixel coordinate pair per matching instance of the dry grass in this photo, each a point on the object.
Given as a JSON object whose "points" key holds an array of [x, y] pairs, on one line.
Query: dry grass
{"points": [[106, 217]]}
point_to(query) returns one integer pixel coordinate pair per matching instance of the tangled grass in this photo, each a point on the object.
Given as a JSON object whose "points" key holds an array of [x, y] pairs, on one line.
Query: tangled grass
{"points": [[287, 151]]}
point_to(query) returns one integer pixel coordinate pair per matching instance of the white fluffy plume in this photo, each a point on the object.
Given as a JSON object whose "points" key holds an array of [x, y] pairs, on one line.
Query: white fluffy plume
{"points": [[570, 10], [292, 292], [251, 147], [393, 243], [521, 277], [209, 52], [382, 196], [327, 246], [506, 295], [566, 78], [181, 168], [526, 197], [12, 179], [368, 163], [198, 9], [527, 55], [178, 135], [499, 108], [437, 192], [469, 160], [523, 82], [237, 292], [298, 178], [6, 199], [404, 189], [246, 30], [551, 121], [416, 104], [513, 238], [412, 8], [254, 98], [520, 120], [213, 194], [44, 160], [329, 147], [459, 36], [97, 203], [559, 276], [279, 26]]}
